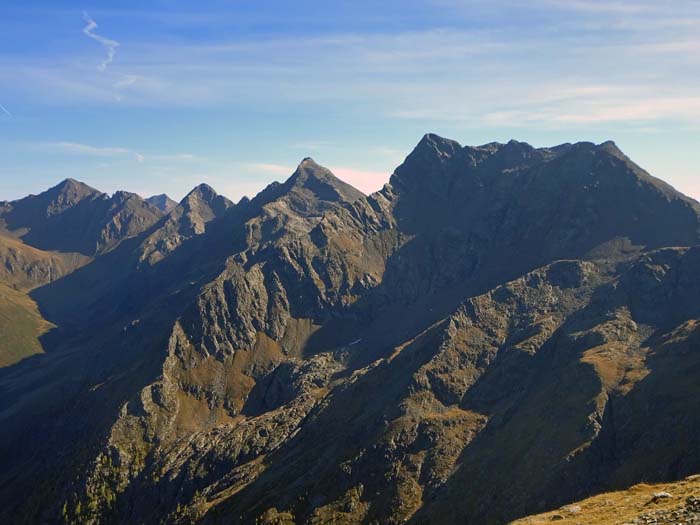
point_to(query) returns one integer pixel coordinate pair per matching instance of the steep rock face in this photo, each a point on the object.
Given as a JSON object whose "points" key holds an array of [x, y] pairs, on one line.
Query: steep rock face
{"points": [[187, 219], [505, 404], [423, 353], [556, 202], [256, 314]]}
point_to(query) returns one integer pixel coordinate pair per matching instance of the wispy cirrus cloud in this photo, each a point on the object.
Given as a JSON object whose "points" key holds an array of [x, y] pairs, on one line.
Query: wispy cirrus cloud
{"points": [[79, 148], [108, 44], [84, 149], [5, 111], [598, 6], [125, 81], [438, 75], [275, 169]]}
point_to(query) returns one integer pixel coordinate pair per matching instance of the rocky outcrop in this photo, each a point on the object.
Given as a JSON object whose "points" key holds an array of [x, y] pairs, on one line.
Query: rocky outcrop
{"points": [[186, 220]]}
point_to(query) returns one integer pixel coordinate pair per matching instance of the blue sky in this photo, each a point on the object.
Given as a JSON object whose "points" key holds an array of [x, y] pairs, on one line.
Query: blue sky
{"points": [[159, 96]]}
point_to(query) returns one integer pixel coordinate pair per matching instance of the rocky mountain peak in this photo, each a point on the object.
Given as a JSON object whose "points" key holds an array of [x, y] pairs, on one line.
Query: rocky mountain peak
{"points": [[312, 188], [162, 202], [432, 143], [74, 217], [121, 196], [203, 191], [425, 166], [71, 185], [66, 194], [204, 199]]}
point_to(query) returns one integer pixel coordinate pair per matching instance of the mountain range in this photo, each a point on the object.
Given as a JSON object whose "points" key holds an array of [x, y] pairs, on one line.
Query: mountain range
{"points": [[499, 331]]}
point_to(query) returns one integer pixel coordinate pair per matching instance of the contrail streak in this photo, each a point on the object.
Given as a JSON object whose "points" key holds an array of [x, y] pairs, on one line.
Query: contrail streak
{"points": [[4, 110], [109, 45]]}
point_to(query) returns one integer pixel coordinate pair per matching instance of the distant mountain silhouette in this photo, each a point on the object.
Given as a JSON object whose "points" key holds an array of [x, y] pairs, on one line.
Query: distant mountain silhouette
{"points": [[162, 202], [73, 217]]}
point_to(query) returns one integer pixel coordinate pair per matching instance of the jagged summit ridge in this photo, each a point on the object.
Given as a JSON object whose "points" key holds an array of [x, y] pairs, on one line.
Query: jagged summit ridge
{"points": [[74, 217]]}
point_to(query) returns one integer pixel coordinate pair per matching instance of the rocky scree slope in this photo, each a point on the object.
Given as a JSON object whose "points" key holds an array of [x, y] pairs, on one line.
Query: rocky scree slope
{"points": [[499, 330]]}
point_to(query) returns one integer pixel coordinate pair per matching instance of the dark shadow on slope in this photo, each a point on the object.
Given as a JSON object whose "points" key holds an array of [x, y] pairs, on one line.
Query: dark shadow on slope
{"points": [[355, 417], [541, 448], [538, 408], [370, 404]]}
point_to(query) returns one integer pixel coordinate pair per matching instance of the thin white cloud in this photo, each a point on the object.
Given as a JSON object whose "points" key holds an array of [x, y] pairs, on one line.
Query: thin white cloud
{"points": [[469, 78], [586, 111], [78, 148], [176, 157], [4, 110], [275, 169], [126, 81], [109, 45], [597, 6]]}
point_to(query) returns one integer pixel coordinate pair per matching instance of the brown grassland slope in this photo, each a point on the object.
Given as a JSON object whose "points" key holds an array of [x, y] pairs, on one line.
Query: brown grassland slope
{"points": [[662, 503]]}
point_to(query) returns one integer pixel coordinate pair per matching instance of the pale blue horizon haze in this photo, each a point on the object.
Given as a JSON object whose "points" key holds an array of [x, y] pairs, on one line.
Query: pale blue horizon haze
{"points": [[157, 97]]}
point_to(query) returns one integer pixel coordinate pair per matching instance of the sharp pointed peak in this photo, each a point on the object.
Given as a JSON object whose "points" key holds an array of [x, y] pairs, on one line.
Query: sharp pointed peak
{"points": [[308, 167], [68, 192], [317, 182], [162, 202], [308, 161], [435, 141], [427, 160], [70, 184], [201, 190], [609, 146], [203, 193], [433, 146]]}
